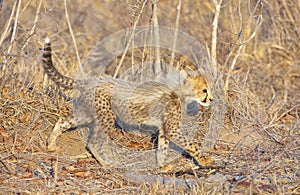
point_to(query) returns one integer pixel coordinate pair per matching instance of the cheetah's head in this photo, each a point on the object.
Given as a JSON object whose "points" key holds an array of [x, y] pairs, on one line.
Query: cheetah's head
{"points": [[200, 86]]}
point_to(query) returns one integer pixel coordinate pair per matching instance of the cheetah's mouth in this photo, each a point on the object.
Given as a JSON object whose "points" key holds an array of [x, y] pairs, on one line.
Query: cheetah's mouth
{"points": [[204, 103]]}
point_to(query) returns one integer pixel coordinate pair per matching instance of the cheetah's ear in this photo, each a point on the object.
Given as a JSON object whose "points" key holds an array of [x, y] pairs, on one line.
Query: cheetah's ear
{"points": [[190, 73], [183, 78]]}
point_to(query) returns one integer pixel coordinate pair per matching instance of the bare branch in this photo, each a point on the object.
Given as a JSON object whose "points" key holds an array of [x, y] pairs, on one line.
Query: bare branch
{"points": [[214, 32], [34, 24], [135, 21], [19, 2], [8, 24], [158, 68], [242, 44], [73, 37], [176, 32]]}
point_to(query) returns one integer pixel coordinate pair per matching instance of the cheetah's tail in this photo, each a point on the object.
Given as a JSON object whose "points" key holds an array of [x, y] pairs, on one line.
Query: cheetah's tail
{"points": [[51, 71]]}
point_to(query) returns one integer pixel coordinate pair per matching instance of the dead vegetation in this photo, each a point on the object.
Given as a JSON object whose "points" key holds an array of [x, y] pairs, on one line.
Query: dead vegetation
{"points": [[257, 52]]}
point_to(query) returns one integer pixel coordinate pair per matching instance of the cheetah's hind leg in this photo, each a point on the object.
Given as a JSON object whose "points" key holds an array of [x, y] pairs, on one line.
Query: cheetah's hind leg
{"points": [[104, 150], [162, 148], [64, 124]]}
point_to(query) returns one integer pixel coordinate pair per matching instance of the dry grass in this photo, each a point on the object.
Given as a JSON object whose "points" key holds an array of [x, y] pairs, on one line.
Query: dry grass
{"points": [[260, 138]]}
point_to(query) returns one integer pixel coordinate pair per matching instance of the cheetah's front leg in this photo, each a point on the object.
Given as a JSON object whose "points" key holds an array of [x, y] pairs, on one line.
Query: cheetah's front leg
{"points": [[171, 132], [193, 148]]}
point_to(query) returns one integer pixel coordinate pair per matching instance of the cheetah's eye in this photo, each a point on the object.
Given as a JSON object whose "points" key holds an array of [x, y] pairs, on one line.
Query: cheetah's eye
{"points": [[204, 90]]}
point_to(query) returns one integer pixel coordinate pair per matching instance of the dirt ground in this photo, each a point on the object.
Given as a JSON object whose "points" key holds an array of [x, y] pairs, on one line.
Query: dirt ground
{"points": [[258, 54]]}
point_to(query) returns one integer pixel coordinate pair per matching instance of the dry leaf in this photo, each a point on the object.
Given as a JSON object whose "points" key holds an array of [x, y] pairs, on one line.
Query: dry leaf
{"points": [[25, 118], [22, 94]]}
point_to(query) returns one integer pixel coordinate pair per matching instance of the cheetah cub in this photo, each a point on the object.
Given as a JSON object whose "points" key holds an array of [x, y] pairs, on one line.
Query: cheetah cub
{"points": [[155, 103]]}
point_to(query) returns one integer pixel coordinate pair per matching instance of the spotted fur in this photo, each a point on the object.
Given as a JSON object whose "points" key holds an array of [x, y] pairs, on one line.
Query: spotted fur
{"points": [[154, 103]]}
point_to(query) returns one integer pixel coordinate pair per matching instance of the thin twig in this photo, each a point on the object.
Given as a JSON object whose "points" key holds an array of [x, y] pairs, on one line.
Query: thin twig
{"points": [[55, 172], [12, 36], [34, 24], [132, 59], [73, 37], [130, 38], [288, 13], [176, 32], [158, 68], [134, 18], [242, 44], [8, 24], [9, 168], [232, 67], [215, 31]]}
